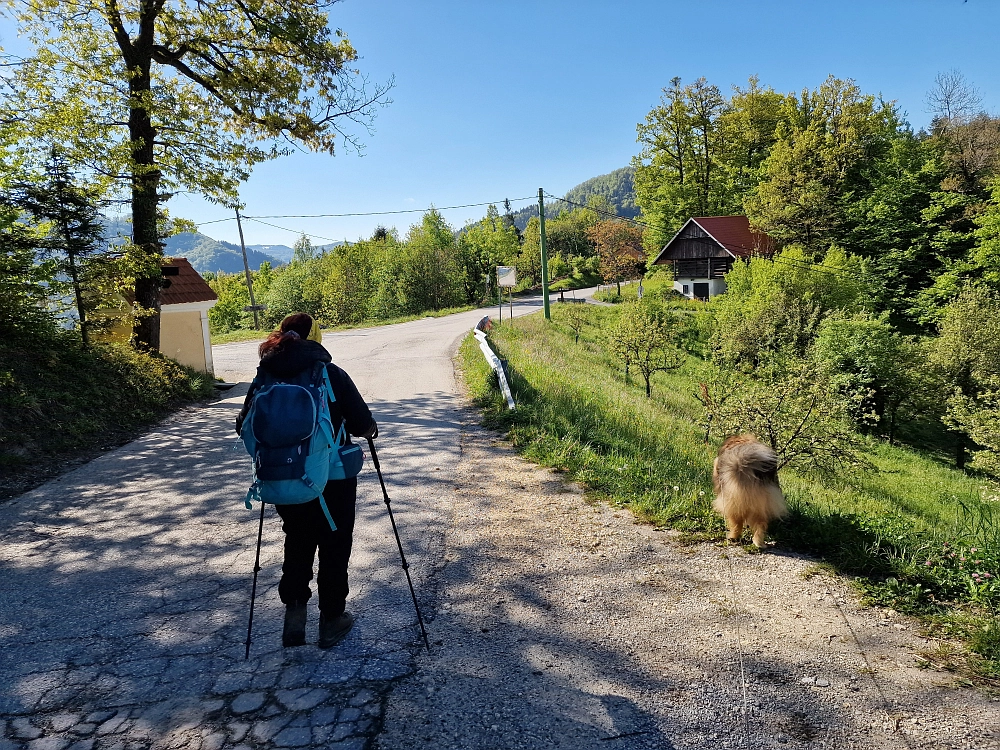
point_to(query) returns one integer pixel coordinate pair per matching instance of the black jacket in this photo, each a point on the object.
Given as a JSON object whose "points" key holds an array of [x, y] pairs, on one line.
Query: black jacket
{"points": [[300, 354]]}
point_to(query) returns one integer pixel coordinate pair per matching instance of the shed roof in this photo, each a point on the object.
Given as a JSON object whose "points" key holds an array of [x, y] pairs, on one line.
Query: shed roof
{"points": [[186, 286], [732, 233], [736, 236]]}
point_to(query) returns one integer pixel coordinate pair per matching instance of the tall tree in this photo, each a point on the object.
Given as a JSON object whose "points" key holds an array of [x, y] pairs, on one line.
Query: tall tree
{"points": [[73, 232], [481, 248], [170, 95], [966, 353], [619, 246], [817, 164], [952, 99], [303, 249], [431, 277], [676, 172]]}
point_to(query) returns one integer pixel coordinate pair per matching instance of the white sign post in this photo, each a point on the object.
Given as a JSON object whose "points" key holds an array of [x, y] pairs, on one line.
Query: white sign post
{"points": [[506, 277]]}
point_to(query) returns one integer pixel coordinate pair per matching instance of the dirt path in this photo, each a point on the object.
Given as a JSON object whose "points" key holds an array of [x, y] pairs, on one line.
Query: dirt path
{"points": [[563, 624]]}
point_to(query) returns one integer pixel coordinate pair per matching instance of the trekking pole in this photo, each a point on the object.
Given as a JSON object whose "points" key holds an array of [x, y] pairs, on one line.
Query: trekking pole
{"points": [[256, 569], [399, 544]]}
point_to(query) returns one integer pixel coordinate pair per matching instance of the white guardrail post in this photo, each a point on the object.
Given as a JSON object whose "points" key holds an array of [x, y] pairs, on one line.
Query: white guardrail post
{"points": [[494, 361]]}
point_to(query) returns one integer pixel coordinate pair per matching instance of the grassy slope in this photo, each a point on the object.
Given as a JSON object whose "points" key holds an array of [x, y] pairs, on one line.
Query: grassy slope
{"points": [[576, 413], [57, 399]]}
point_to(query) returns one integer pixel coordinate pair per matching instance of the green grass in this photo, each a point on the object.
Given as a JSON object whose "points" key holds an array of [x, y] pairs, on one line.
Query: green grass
{"points": [[895, 528], [231, 337], [577, 280], [656, 284], [57, 399]]}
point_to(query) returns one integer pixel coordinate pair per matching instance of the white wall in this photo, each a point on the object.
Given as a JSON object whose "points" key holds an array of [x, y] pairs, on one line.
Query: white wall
{"points": [[715, 286]]}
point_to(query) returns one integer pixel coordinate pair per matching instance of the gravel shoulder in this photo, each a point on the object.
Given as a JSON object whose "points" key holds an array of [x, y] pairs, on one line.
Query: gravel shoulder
{"points": [[562, 623]]}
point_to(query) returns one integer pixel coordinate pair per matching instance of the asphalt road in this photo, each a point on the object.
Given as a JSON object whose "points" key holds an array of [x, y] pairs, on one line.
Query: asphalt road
{"points": [[124, 584]]}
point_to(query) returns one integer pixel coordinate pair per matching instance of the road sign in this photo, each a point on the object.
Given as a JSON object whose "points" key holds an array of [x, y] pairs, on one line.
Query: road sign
{"points": [[506, 276]]}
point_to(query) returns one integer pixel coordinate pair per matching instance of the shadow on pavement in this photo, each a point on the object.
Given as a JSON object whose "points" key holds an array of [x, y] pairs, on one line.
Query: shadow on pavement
{"points": [[124, 592]]}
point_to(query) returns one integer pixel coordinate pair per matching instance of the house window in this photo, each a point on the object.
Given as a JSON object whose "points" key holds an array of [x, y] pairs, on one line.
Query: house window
{"points": [[685, 289]]}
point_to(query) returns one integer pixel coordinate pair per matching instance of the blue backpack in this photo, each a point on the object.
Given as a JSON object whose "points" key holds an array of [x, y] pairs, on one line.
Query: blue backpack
{"points": [[289, 434]]}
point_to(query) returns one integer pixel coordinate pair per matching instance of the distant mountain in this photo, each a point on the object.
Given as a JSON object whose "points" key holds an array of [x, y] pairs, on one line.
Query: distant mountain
{"points": [[209, 255], [206, 254], [282, 252], [618, 187]]}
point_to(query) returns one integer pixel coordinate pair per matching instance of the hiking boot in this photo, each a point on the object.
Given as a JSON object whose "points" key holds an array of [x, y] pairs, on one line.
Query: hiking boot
{"points": [[334, 630], [294, 632]]}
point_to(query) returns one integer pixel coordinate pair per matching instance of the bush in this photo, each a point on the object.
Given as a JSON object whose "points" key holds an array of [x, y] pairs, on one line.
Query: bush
{"points": [[56, 396]]}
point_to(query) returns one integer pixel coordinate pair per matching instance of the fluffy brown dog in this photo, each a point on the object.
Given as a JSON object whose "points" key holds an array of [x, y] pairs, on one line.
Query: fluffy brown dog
{"points": [[747, 492]]}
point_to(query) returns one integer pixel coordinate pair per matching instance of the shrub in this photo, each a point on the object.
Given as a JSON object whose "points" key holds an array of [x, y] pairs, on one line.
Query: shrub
{"points": [[57, 396]]}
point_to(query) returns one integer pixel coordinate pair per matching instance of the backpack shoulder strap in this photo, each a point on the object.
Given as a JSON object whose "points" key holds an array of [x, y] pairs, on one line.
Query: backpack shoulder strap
{"points": [[335, 415]]}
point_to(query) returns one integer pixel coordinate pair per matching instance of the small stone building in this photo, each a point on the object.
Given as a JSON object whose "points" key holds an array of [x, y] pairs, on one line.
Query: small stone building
{"points": [[184, 306], [704, 250]]}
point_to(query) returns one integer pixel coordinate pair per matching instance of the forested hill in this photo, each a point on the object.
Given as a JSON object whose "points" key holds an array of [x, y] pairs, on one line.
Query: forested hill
{"points": [[211, 255], [206, 254], [617, 187]]}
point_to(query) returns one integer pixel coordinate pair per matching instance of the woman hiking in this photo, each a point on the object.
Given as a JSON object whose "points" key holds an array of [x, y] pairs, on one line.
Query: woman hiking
{"points": [[296, 346]]}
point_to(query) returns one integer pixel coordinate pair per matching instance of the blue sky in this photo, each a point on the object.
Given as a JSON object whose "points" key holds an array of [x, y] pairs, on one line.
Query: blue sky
{"points": [[495, 100]]}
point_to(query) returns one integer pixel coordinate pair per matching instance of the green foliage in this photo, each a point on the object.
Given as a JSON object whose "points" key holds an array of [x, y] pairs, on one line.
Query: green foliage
{"points": [[978, 417], [566, 238], [817, 164], [303, 249], [24, 284], [575, 413], [56, 396], [168, 96], [378, 279], [71, 235], [774, 308], [645, 335], [678, 172], [865, 355], [432, 278], [966, 356], [701, 153], [792, 408], [482, 247]]}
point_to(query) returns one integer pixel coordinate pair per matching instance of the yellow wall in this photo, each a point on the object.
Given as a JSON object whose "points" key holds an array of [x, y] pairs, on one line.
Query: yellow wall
{"points": [[181, 338]]}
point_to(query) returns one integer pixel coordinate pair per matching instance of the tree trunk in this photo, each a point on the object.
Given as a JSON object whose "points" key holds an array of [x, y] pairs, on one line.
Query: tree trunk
{"points": [[75, 276], [619, 282], [80, 310], [649, 392], [960, 456], [145, 201]]}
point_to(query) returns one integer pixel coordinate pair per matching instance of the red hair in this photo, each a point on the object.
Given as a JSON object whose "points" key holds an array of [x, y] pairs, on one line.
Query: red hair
{"points": [[294, 326]]}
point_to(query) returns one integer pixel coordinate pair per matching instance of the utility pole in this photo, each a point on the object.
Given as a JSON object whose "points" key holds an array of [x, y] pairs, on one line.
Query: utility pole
{"points": [[545, 254], [246, 269]]}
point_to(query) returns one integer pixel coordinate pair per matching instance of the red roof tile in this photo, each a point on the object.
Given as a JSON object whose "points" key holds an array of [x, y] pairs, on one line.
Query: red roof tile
{"points": [[736, 236], [186, 286]]}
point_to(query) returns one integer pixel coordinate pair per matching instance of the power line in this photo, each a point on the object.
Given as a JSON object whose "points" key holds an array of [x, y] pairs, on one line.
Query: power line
{"points": [[294, 231], [372, 213], [728, 246]]}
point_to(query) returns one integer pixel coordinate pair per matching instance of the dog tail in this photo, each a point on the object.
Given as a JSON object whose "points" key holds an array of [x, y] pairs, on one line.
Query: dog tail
{"points": [[753, 463]]}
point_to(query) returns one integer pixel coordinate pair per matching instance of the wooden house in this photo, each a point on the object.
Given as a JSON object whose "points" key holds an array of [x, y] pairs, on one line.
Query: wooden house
{"points": [[704, 250]]}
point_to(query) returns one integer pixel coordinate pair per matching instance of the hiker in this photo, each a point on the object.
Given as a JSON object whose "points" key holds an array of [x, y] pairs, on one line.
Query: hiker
{"points": [[293, 348]]}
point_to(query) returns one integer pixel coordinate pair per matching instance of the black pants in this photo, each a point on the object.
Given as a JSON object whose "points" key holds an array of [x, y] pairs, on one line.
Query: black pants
{"points": [[307, 529]]}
